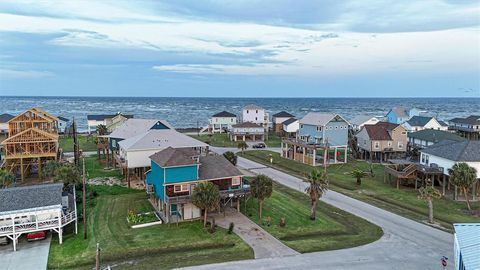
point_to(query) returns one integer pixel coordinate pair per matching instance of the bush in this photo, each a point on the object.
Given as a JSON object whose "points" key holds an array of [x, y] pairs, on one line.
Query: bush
{"points": [[282, 222], [213, 227], [267, 221], [230, 228], [230, 156]]}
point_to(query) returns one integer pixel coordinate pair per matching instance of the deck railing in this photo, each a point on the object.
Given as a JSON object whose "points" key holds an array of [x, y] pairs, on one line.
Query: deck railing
{"points": [[28, 226], [223, 193]]}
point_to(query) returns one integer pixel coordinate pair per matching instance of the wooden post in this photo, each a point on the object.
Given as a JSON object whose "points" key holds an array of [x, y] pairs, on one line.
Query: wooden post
{"points": [[398, 183], [22, 172], [40, 168], [443, 184], [97, 258]]}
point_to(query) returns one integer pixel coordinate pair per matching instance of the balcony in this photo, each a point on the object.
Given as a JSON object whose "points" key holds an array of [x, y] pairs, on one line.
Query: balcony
{"points": [[232, 193]]}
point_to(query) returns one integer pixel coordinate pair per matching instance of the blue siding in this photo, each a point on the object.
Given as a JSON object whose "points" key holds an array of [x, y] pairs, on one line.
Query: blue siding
{"points": [[113, 143], [335, 131], [181, 174], [155, 177], [392, 117]]}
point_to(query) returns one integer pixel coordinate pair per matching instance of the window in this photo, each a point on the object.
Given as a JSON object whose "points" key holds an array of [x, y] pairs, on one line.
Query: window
{"points": [[423, 158], [336, 127], [180, 188], [247, 111], [319, 128], [301, 126], [256, 111], [427, 159], [235, 181], [256, 118], [377, 145], [400, 145], [389, 143]]}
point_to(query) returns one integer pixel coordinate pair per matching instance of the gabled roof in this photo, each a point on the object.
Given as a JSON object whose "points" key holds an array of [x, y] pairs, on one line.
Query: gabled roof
{"points": [[455, 151], [419, 121], [361, 119], [133, 127], [246, 125], [20, 137], [224, 114], [433, 135], [252, 107], [283, 114], [289, 121], [468, 237], [380, 131], [471, 120], [4, 118], [319, 119], [21, 198], [174, 157], [101, 117], [38, 112], [63, 119], [400, 111], [159, 139], [215, 167]]}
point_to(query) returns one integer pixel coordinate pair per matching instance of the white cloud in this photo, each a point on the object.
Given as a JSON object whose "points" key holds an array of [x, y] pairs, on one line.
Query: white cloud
{"points": [[23, 74]]}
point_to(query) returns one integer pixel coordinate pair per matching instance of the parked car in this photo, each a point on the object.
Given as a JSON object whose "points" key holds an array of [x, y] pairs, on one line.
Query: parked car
{"points": [[36, 236], [3, 241], [259, 145]]}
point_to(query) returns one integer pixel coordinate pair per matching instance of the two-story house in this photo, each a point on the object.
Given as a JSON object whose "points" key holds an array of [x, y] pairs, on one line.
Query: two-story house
{"points": [[427, 137], [278, 119], [382, 141], [94, 120], [247, 131], [400, 115], [468, 127], [255, 114], [417, 123], [176, 171], [359, 121], [221, 122], [322, 138]]}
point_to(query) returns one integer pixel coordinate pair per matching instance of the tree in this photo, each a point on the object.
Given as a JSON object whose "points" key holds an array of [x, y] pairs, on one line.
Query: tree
{"points": [[230, 156], [242, 145], [50, 168], [67, 174], [261, 188], [6, 178], [102, 130], [358, 174], [318, 185], [206, 196], [427, 194], [464, 177]]}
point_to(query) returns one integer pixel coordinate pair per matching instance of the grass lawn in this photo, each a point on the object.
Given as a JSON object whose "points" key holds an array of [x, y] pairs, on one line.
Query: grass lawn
{"points": [[403, 201], [96, 168], [223, 140], [161, 246], [333, 228], [86, 143]]}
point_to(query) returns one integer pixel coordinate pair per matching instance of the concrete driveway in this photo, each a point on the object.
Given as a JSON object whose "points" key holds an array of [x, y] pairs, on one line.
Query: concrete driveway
{"points": [[29, 255]]}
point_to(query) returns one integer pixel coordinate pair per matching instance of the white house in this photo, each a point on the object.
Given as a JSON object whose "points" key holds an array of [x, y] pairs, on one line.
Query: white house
{"points": [[360, 120], [279, 118], [417, 123], [4, 118], [63, 123], [255, 114], [221, 122], [427, 137], [247, 131], [102, 119], [291, 126]]}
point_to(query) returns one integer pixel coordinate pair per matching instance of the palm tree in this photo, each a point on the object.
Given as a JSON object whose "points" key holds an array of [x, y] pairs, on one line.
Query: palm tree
{"points": [[358, 174], [102, 130], [427, 194], [6, 178], [318, 185], [261, 187], [230, 156], [464, 177], [242, 145], [206, 196], [67, 174]]}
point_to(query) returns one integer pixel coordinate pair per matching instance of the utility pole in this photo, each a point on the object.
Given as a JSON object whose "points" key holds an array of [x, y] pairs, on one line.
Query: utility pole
{"points": [[84, 202], [75, 144], [97, 258]]}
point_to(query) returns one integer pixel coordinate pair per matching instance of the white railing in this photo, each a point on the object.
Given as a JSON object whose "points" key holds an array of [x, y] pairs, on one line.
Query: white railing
{"points": [[69, 217], [37, 225]]}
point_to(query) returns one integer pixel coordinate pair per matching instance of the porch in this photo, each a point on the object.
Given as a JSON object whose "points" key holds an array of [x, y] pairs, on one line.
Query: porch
{"points": [[313, 154]]}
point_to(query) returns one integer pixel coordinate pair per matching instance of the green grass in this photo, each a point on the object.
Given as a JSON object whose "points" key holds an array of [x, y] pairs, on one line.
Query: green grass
{"points": [[161, 246], [96, 168], [223, 140], [86, 143], [403, 201], [333, 228]]}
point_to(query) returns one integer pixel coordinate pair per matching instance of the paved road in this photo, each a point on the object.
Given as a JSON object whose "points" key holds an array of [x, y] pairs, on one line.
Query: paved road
{"points": [[29, 256], [406, 244]]}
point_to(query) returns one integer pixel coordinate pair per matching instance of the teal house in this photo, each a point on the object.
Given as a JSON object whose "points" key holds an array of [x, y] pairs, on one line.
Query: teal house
{"points": [[400, 115], [174, 174]]}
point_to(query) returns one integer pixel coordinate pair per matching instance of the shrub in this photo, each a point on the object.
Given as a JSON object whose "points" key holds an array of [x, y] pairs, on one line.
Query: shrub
{"points": [[230, 228], [282, 222]]}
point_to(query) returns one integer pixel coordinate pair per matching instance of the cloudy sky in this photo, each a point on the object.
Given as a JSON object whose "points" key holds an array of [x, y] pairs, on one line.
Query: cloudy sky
{"points": [[285, 48]]}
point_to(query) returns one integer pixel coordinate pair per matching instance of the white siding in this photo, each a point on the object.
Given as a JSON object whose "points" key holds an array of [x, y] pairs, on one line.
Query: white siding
{"points": [[446, 163], [293, 127]]}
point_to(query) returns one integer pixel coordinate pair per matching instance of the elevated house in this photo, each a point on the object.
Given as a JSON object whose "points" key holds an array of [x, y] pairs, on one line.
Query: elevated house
{"points": [[4, 118], [427, 137], [291, 127], [221, 122], [176, 171], [278, 119], [36, 208], [417, 123], [359, 121], [322, 139], [400, 115], [32, 141], [466, 246], [382, 141], [247, 131], [468, 127], [108, 120], [63, 124], [257, 115]]}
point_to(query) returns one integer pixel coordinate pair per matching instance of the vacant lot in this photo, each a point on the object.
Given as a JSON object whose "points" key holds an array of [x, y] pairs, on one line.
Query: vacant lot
{"points": [[98, 168], [223, 140], [86, 143]]}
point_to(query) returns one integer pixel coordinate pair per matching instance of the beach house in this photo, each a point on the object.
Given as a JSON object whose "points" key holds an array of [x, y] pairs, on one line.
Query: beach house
{"points": [[468, 127], [174, 174], [322, 139], [290, 127], [382, 141], [247, 131], [400, 115], [221, 122], [257, 115], [417, 123], [94, 120], [278, 119], [427, 137], [63, 124], [4, 118], [359, 121], [466, 247]]}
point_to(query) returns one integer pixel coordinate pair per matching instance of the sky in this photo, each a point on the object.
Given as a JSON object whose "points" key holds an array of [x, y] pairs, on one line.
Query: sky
{"points": [[220, 48]]}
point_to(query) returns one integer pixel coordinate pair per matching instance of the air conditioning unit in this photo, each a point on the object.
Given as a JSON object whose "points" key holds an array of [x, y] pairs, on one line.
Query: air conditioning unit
{"points": [[150, 189]]}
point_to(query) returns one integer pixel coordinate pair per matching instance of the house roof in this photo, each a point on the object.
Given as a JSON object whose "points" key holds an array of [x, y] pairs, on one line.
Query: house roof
{"points": [[63, 119], [419, 121], [252, 107], [290, 121], [471, 120], [319, 118], [468, 237], [133, 127], [224, 114], [246, 125], [159, 139], [4, 118], [20, 198], [380, 131], [361, 119], [283, 114], [455, 150], [174, 157], [101, 117], [400, 111], [433, 135], [216, 166], [442, 123]]}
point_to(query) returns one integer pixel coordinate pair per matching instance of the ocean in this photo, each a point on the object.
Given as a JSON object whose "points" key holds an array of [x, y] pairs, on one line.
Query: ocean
{"points": [[183, 112]]}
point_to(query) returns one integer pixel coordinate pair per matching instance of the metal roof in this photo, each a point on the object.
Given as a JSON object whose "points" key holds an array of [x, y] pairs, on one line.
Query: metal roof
{"points": [[319, 119], [361, 119], [433, 135], [419, 121], [21, 198], [472, 120], [468, 237], [159, 139], [283, 114], [101, 117], [133, 127]]}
